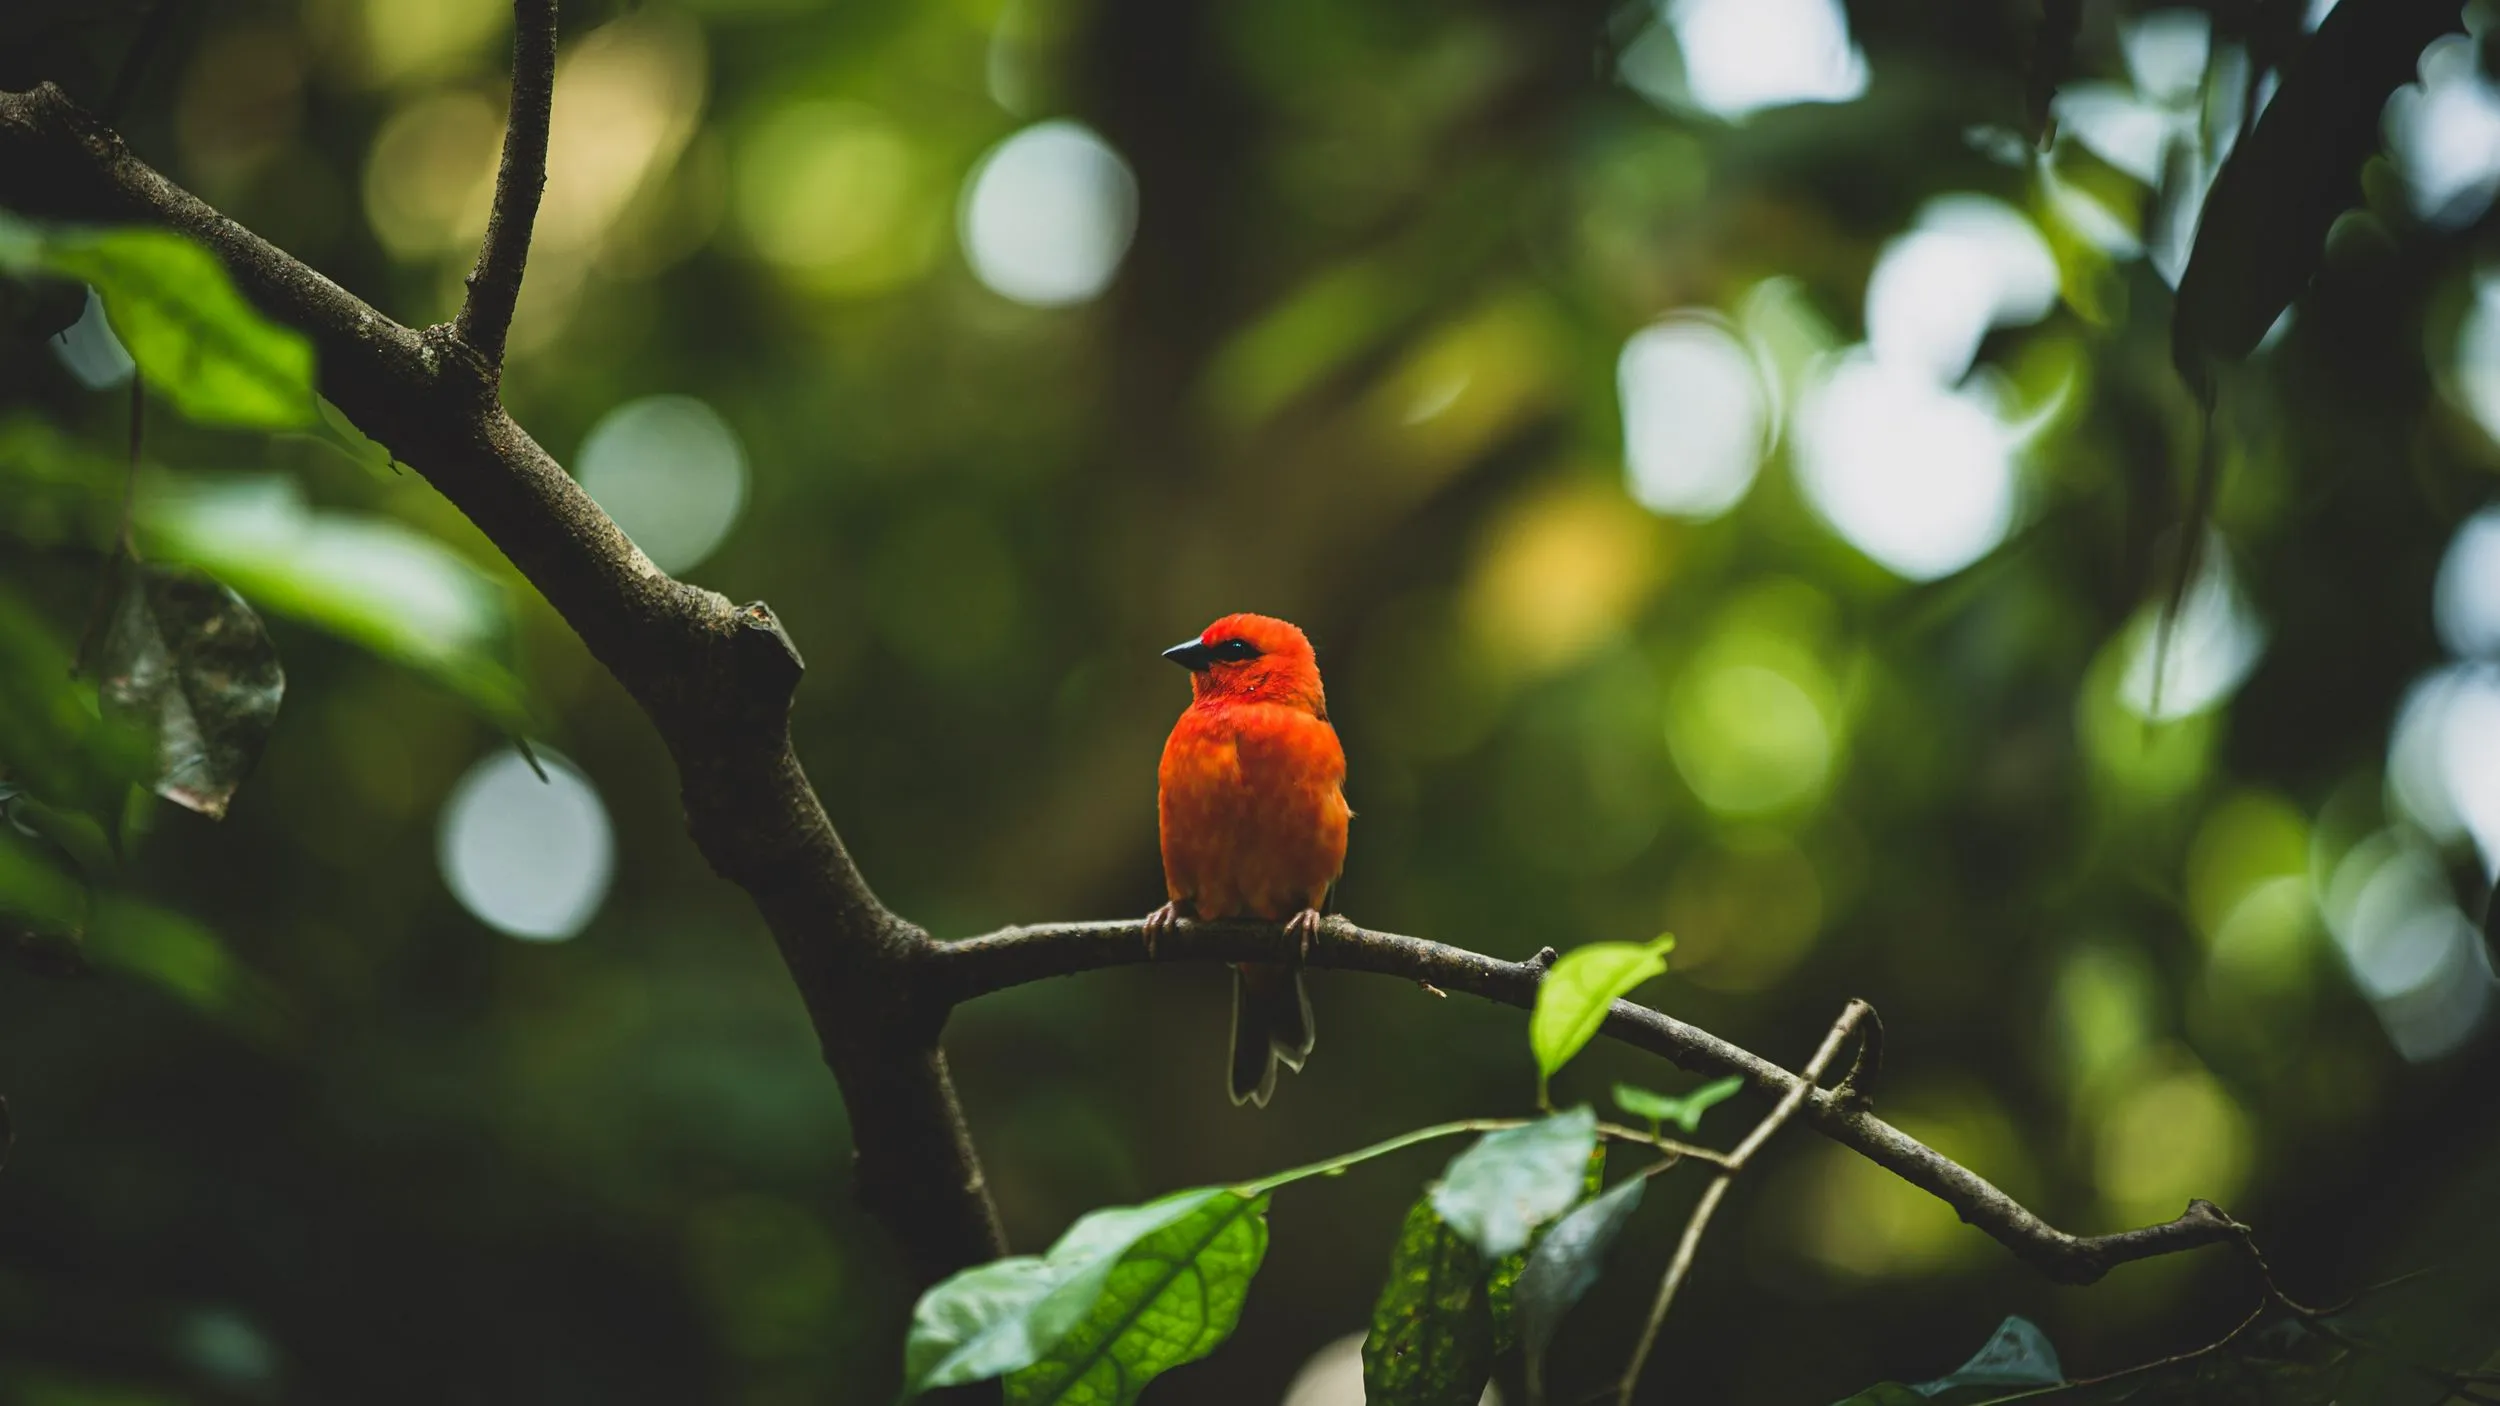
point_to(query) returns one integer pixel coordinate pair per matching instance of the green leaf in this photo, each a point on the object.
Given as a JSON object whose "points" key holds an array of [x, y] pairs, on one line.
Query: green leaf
{"points": [[187, 662], [197, 341], [2264, 225], [1431, 1340], [2018, 1354], [54, 741], [397, 592], [179, 956], [1502, 1281], [1003, 1316], [1685, 1112], [1571, 1002], [1498, 1191], [1563, 1266], [1174, 1297]]}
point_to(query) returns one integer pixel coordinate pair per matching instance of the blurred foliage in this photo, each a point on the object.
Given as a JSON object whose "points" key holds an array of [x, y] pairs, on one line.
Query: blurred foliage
{"points": [[291, 1124]]}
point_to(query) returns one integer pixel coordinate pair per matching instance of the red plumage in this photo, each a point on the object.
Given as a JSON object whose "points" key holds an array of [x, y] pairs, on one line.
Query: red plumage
{"points": [[1253, 816]]}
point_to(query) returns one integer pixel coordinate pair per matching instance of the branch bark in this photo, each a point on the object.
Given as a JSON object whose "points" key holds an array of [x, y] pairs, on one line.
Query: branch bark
{"points": [[958, 971], [715, 678], [485, 319]]}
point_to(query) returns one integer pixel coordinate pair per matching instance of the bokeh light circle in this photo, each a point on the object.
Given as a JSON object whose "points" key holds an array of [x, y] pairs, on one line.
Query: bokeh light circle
{"points": [[1917, 476], [1695, 416], [1048, 215], [671, 472], [530, 858]]}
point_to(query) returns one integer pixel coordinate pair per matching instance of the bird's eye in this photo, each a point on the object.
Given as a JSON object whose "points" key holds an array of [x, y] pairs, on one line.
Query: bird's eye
{"points": [[1234, 651]]}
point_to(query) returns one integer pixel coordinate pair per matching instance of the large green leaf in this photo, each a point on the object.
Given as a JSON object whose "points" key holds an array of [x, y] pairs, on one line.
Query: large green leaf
{"points": [[1173, 1297], [397, 592], [195, 339], [1003, 1316], [1500, 1190], [2265, 222], [1501, 1283], [1683, 1110], [1431, 1340], [1571, 1001], [183, 958], [187, 662], [54, 741], [1562, 1266]]}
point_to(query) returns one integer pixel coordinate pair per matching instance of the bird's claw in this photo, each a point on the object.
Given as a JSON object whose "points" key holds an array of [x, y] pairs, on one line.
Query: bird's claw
{"points": [[1158, 923], [1302, 927]]}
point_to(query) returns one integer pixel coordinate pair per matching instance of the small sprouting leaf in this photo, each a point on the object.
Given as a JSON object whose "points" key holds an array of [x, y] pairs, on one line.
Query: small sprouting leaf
{"points": [[2018, 1354], [1685, 1111], [1003, 1316], [353, 442], [368, 580], [1431, 1340], [189, 663], [1498, 1191], [1563, 1266], [194, 337], [1571, 1002], [1174, 1297]]}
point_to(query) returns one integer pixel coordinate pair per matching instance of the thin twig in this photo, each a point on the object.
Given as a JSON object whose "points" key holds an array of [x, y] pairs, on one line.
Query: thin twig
{"points": [[955, 972], [495, 285], [142, 52], [1690, 1246]]}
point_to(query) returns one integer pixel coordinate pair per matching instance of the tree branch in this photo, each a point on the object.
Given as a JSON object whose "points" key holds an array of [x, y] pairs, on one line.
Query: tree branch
{"points": [[958, 971], [495, 284], [715, 678], [1688, 1247]]}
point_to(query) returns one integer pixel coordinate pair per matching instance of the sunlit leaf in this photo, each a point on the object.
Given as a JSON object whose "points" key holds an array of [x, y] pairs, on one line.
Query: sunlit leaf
{"points": [[187, 662], [1431, 1340], [1003, 1316], [1571, 1002], [369, 580], [1564, 1263], [1684, 1111], [1498, 1191], [196, 340], [1172, 1298]]}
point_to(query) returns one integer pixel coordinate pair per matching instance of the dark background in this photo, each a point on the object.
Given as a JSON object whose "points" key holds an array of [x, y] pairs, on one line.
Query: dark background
{"points": [[382, 1152]]}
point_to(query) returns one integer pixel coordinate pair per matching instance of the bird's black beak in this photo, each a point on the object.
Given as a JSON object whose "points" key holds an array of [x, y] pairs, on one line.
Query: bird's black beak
{"points": [[1193, 655]]}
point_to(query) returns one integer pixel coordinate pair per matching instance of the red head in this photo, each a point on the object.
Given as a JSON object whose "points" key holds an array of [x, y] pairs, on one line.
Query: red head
{"points": [[1252, 659]]}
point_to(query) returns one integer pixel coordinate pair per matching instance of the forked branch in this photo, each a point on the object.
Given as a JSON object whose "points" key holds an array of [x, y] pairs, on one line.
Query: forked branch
{"points": [[485, 319]]}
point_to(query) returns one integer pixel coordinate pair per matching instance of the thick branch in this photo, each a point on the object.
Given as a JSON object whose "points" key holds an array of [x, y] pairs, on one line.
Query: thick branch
{"points": [[495, 285], [715, 678], [958, 971]]}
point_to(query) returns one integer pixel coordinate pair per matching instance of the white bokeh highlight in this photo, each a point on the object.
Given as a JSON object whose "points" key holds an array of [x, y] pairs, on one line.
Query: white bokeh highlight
{"points": [[2406, 945], [2210, 647], [529, 858], [1968, 265], [2443, 761], [671, 472], [2465, 602], [1918, 477], [2445, 134], [1696, 415], [1048, 215], [1734, 58]]}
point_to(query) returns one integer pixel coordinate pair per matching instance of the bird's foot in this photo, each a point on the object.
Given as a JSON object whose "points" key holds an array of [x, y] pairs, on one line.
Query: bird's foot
{"points": [[1158, 923], [1302, 927]]}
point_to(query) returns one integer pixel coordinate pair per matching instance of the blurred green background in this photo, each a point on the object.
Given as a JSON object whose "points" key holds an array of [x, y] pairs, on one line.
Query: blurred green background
{"points": [[1724, 467]]}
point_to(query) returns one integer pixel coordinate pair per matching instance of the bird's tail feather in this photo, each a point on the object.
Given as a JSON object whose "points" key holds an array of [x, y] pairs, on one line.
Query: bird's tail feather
{"points": [[1271, 1026]]}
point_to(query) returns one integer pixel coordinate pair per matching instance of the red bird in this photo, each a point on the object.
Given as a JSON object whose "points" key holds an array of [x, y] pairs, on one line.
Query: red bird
{"points": [[1253, 812]]}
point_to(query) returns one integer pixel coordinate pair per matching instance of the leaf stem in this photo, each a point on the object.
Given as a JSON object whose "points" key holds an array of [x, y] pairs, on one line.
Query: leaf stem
{"points": [[1613, 1132]]}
